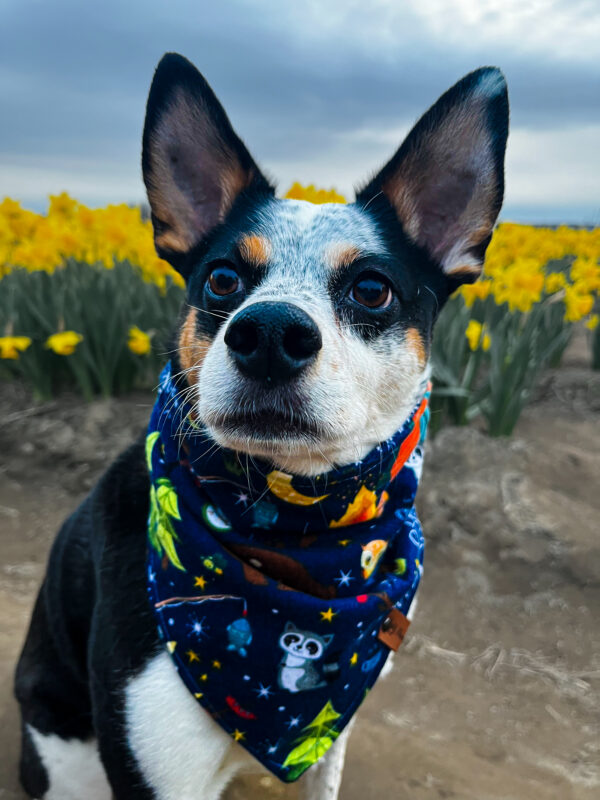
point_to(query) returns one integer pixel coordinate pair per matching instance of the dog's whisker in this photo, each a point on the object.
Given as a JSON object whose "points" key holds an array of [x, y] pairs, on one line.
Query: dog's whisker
{"points": [[219, 314]]}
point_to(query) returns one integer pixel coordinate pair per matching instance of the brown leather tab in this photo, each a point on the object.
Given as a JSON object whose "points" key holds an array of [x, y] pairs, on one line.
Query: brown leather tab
{"points": [[393, 629]]}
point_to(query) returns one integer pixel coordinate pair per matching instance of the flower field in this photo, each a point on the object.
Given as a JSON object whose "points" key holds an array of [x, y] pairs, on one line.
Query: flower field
{"points": [[495, 336], [86, 303]]}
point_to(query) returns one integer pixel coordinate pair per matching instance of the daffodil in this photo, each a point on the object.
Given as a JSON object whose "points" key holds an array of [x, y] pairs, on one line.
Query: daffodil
{"points": [[64, 343], [71, 230], [11, 346], [592, 322], [313, 195], [585, 272], [479, 290], [139, 341], [477, 336], [577, 304], [520, 284], [555, 281], [62, 205]]}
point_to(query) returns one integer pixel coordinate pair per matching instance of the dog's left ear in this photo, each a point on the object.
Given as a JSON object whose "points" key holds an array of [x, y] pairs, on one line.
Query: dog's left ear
{"points": [[446, 182], [194, 164]]}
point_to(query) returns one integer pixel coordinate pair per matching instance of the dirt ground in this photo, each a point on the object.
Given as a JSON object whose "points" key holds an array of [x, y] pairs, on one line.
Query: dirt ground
{"points": [[495, 694]]}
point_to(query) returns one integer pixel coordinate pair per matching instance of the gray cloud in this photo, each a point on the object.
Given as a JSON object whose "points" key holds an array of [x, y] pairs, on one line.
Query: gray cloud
{"points": [[74, 78]]}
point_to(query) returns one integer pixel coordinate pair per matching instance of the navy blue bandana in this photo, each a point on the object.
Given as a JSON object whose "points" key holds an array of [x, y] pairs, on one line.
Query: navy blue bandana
{"points": [[277, 596]]}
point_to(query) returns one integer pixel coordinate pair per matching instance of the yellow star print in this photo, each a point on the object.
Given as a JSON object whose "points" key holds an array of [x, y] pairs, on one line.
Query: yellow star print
{"points": [[204, 677], [238, 735], [192, 656], [216, 664], [200, 581], [344, 542], [327, 616], [354, 659]]}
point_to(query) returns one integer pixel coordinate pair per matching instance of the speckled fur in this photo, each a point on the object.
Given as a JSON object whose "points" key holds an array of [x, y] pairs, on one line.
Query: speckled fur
{"points": [[358, 391]]}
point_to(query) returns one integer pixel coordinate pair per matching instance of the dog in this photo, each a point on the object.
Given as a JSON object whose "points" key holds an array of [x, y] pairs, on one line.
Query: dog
{"points": [[303, 341]]}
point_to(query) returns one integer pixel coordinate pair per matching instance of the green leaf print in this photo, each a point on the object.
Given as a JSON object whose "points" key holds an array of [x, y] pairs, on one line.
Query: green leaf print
{"points": [[161, 532], [309, 750], [320, 735], [150, 442], [167, 497], [325, 715]]}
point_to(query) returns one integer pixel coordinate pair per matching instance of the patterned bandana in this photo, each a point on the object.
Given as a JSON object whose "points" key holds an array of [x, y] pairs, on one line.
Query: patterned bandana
{"points": [[277, 596]]}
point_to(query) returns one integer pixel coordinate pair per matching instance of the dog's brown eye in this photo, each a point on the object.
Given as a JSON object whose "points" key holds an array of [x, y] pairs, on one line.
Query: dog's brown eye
{"points": [[371, 291], [223, 281]]}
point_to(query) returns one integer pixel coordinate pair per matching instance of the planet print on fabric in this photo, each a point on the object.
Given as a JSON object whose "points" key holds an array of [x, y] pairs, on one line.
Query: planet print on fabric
{"points": [[264, 514], [214, 519], [215, 563]]}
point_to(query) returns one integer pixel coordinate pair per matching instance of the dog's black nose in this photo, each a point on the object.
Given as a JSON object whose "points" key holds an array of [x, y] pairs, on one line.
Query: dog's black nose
{"points": [[272, 341]]}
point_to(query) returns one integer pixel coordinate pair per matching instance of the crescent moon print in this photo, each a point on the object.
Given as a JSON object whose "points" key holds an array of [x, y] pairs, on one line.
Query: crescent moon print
{"points": [[280, 484]]}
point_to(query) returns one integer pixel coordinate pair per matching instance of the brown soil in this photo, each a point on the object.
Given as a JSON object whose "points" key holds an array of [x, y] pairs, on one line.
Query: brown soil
{"points": [[495, 693]]}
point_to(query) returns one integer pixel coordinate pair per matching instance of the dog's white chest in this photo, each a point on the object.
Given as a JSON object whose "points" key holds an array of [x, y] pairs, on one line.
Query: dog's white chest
{"points": [[181, 752]]}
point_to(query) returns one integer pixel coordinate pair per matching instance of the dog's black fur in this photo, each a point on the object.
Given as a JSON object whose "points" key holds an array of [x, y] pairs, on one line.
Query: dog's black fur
{"points": [[92, 628]]}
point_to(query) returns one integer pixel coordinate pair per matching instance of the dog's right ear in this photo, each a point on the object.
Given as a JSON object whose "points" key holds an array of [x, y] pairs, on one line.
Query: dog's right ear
{"points": [[193, 162]]}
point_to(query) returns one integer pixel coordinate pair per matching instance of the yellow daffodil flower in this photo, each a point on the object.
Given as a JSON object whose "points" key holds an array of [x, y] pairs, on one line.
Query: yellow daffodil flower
{"points": [[519, 268], [585, 272], [479, 290], [577, 304], [477, 336], [313, 195], [11, 346], [139, 341], [555, 281], [63, 343]]}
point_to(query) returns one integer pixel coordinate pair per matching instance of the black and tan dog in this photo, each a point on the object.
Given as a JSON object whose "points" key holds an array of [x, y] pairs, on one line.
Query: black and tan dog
{"points": [[304, 338]]}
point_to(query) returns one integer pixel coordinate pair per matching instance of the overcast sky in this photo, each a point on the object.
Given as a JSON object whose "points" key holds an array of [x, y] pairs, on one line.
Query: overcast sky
{"points": [[321, 91]]}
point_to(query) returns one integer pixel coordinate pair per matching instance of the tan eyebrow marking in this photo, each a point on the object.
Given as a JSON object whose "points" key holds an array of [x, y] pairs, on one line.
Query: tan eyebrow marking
{"points": [[192, 348], [465, 269], [341, 254], [254, 249], [414, 340]]}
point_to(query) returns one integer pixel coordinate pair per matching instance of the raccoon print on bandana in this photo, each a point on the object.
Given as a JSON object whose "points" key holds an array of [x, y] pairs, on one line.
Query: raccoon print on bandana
{"points": [[271, 591], [302, 650]]}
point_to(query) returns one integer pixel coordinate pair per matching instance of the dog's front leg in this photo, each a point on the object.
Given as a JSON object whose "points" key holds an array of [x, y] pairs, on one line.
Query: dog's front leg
{"points": [[323, 781]]}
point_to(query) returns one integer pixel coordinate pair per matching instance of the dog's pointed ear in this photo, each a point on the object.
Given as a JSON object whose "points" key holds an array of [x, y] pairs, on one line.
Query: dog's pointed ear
{"points": [[194, 164], [446, 182]]}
